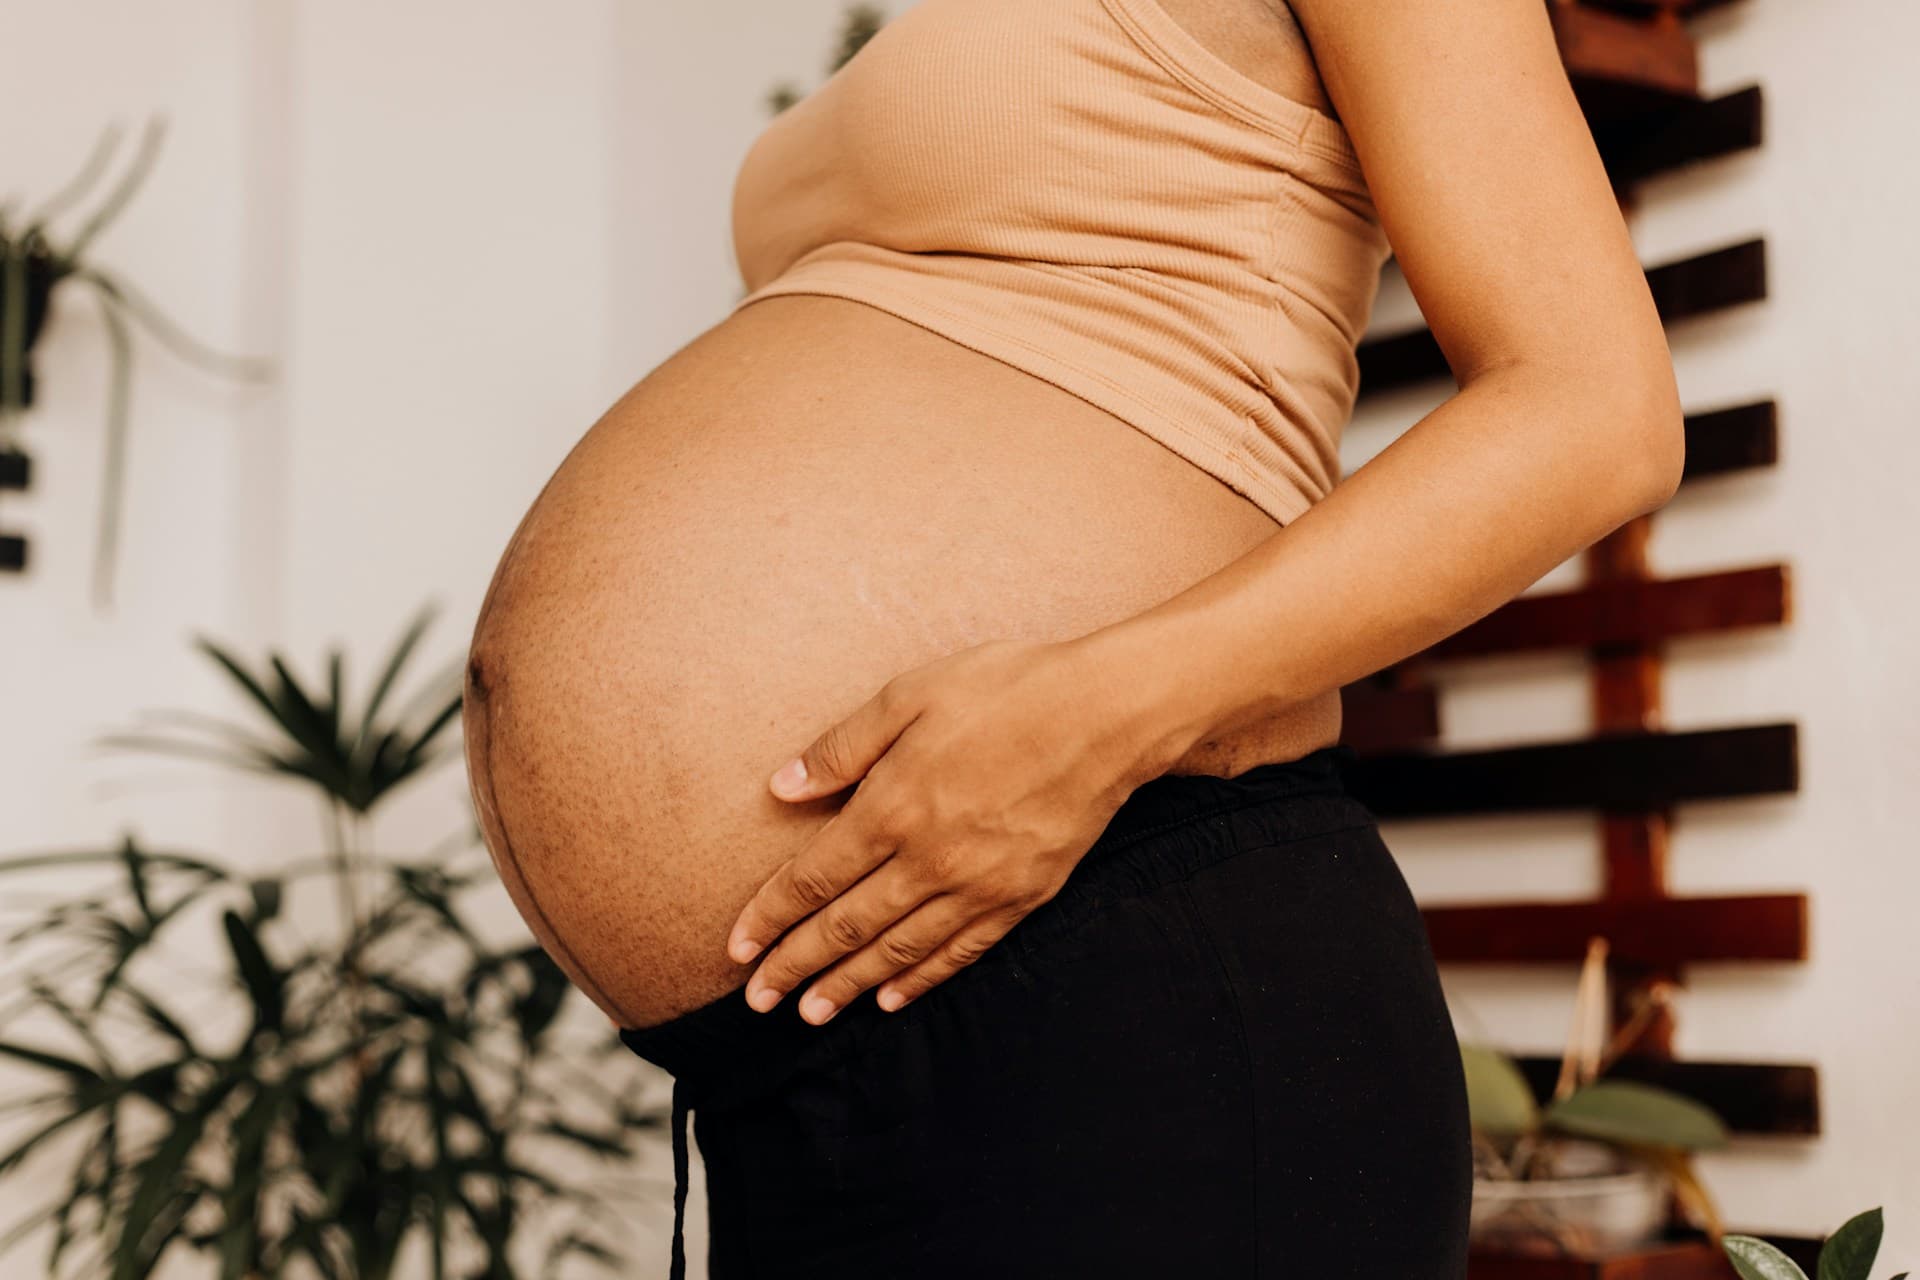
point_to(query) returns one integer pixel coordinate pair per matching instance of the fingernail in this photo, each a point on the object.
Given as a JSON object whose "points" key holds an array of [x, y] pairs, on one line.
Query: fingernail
{"points": [[761, 999], [889, 999], [817, 1009], [790, 777], [742, 948]]}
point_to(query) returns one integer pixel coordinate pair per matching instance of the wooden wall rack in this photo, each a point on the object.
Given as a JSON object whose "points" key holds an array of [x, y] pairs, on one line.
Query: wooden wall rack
{"points": [[16, 472], [1634, 69]]}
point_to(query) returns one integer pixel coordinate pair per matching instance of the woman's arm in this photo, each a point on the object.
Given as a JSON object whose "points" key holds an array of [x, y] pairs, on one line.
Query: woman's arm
{"points": [[986, 775], [1567, 422]]}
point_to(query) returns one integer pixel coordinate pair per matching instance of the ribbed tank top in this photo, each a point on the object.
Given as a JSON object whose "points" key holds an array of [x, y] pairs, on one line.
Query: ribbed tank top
{"points": [[1084, 191]]}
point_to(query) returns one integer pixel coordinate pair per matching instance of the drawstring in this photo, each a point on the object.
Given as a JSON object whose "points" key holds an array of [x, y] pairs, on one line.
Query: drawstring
{"points": [[678, 1268]]}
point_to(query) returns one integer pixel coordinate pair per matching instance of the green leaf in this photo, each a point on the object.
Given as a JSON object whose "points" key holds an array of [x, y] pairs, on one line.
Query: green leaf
{"points": [[50, 1061], [241, 676], [1499, 1098], [241, 1233], [1850, 1251], [409, 639], [544, 1001], [136, 864], [27, 1145], [267, 894], [607, 1144], [1628, 1111], [261, 978], [1755, 1259], [159, 1178]]}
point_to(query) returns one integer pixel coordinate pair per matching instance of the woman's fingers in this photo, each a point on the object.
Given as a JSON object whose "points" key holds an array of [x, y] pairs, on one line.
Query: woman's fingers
{"points": [[955, 954], [906, 943], [845, 924], [846, 847], [842, 755]]}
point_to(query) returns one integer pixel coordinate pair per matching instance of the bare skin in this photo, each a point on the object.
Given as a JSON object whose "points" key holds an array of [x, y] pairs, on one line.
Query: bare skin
{"points": [[800, 503], [1567, 424], [814, 500]]}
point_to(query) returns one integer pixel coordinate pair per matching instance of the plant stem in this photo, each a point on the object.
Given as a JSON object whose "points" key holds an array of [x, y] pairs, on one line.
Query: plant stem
{"points": [[345, 838]]}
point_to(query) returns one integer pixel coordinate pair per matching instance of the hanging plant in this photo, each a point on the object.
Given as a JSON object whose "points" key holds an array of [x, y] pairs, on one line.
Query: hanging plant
{"points": [[35, 261]]}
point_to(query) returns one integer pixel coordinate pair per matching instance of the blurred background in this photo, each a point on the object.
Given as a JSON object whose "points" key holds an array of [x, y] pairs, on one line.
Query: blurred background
{"points": [[459, 231]]}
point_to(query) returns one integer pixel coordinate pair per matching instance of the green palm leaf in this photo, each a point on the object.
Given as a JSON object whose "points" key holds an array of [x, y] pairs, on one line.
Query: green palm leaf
{"points": [[1628, 1111], [1755, 1259], [1849, 1252]]}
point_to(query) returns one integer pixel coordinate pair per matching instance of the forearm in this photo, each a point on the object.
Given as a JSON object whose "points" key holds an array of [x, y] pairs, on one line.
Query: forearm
{"points": [[1499, 484]]}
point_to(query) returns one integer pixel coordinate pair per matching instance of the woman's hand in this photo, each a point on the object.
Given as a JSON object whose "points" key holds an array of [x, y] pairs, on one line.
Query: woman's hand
{"points": [[983, 777]]}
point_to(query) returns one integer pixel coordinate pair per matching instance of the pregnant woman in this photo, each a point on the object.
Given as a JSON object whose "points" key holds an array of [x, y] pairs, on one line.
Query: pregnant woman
{"points": [[911, 713]]}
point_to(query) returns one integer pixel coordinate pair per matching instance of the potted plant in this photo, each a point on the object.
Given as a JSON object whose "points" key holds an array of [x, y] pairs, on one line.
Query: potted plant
{"points": [[333, 1091], [1848, 1253], [1592, 1170]]}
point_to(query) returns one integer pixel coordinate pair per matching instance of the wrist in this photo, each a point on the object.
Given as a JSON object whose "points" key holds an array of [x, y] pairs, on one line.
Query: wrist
{"points": [[1145, 720]]}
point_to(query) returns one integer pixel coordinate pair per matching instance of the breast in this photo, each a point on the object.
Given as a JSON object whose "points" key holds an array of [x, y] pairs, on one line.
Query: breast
{"points": [[805, 500]]}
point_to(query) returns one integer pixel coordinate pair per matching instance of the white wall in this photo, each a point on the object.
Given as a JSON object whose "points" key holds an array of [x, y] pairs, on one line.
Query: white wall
{"points": [[464, 228]]}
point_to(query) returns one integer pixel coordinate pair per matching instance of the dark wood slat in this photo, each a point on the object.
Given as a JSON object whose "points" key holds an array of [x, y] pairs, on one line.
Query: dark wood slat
{"points": [[16, 469], [1652, 931], [1690, 1260], [1684, 1256], [1609, 47], [1711, 281], [1758, 1097], [1681, 289], [1802, 1249], [1685, 8], [1624, 66], [1618, 773], [1375, 719], [1399, 360], [1694, 131], [1626, 613], [1625, 687], [13, 554], [1738, 438]]}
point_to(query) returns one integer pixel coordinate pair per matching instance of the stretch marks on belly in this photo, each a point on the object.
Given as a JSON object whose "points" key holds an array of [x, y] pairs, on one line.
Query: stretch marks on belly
{"points": [[484, 688]]}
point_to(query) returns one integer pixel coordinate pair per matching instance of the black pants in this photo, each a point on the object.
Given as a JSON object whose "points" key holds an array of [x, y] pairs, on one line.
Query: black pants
{"points": [[1219, 1051]]}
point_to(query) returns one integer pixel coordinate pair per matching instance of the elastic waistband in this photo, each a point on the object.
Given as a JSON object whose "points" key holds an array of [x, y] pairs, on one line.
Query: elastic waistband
{"points": [[724, 1050]]}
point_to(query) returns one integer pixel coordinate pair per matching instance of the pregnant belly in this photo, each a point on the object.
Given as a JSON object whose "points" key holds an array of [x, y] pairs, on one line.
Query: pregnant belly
{"points": [[805, 500]]}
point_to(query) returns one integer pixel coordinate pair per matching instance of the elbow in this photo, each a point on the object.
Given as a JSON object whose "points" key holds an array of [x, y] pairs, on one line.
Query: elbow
{"points": [[1658, 443], [1646, 439]]}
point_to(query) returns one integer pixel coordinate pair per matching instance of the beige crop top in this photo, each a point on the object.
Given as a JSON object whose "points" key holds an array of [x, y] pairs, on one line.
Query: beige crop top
{"points": [[1081, 189]]}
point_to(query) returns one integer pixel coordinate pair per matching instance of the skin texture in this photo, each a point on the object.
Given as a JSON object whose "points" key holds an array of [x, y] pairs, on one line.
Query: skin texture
{"points": [[798, 505], [1567, 424], [997, 631]]}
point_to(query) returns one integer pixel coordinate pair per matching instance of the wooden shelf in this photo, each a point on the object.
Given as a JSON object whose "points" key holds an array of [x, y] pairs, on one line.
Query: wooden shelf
{"points": [[1651, 931], [1685, 8], [1677, 1258], [1626, 612], [1687, 287], [1378, 719], [1627, 772], [1624, 66], [1689, 1261], [1771, 1098], [1740, 437], [1379, 716], [1688, 133]]}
